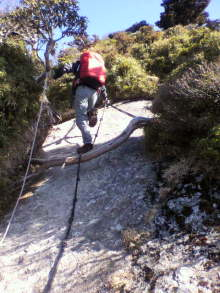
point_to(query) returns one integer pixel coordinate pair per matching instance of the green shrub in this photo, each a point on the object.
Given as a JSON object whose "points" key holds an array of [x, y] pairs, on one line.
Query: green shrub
{"points": [[180, 48], [68, 55], [146, 35], [186, 110], [124, 42], [140, 53], [106, 47], [177, 30], [210, 45], [60, 93], [207, 152], [19, 105], [18, 92], [127, 79]]}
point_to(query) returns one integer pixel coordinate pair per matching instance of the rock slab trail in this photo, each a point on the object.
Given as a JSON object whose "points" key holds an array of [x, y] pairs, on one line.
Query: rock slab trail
{"points": [[110, 199]]}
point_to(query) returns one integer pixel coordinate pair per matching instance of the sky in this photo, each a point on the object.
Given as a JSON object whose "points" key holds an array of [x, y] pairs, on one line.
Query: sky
{"points": [[114, 15], [108, 16]]}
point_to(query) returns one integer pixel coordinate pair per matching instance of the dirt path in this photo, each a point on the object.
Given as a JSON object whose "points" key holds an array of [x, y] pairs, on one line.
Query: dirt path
{"points": [[110, 199]]}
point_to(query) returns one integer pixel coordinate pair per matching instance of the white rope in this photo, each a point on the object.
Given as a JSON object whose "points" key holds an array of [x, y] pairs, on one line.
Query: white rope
{"points": [[25, 177]]}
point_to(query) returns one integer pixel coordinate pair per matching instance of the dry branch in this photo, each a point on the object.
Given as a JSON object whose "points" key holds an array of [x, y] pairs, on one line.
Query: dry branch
{"points": [[137, 122]]}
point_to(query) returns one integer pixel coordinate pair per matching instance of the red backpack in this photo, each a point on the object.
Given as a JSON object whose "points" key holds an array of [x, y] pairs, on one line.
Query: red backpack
{"points": [[92, 69]]}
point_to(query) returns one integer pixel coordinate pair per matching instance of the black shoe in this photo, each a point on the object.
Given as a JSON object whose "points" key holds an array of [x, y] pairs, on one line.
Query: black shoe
{"points": [[85, 148], [92, 115]]}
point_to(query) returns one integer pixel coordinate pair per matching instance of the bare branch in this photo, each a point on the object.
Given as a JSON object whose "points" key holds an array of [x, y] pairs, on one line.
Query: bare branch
{"points": [[137, 122]]}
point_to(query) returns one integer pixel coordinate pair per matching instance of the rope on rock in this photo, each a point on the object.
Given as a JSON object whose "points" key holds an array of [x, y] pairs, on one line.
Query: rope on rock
{"points": [[53, 270], [26, 174], [123, 111], [43, 103], [63, 244]]}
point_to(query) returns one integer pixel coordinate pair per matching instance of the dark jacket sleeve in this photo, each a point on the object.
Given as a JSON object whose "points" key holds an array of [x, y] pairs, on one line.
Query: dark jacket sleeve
{"points": [[61, 69]]}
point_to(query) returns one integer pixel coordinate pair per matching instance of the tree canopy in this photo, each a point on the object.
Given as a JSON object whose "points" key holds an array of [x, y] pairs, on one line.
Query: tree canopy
{"points": [[136, 27], [183, 12], [44, 22]]}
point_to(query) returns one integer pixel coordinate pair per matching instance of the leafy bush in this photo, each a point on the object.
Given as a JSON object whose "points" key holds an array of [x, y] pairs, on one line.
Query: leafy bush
{"points": [[18, 107], [60, 93], [150, 53], [147, 35], [187, 109], [180, 48], [142, 42], [127, 79], [106, 47], [18, 92], [124, 42], [68, 55], [137, 26], [207, 152]]}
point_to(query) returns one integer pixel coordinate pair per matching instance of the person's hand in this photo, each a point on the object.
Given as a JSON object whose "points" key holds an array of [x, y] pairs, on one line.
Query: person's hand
{"points": [[107, 102]]}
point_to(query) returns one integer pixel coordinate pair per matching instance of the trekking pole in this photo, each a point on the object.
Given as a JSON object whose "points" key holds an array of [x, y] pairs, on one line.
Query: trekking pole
{"points": [[101, 119]]}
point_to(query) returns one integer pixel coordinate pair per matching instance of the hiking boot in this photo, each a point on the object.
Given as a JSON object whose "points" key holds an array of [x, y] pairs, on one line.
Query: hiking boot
{"points": [[92, 115], [85, 148]]}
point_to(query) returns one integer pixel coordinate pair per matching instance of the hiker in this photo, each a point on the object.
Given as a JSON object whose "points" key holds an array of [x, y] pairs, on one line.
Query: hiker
{"points": [[88, 87]]}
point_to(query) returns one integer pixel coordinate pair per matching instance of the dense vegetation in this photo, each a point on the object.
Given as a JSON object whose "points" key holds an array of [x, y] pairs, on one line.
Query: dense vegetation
{"points": [[176, 68], [18, 89], [33, 25], [183, 12], [18, 108]]}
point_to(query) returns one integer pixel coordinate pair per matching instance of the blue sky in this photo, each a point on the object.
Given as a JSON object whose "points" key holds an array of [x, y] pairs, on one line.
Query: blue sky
{"points": [[107, 16], [114, 15]]}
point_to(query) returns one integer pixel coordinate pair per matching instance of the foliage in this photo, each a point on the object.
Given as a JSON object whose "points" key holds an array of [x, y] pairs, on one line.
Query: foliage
{"points": [[187, 109], [60, 90], [132, 29], [106, 47], [18, 109], [180, 48], [44, 22], [68, 55], [214, 24], [162, 54], [123, 42], [83, 42], [127, 79], [137, 26], [18, 90], [208, 151], [146, 35], [187, 104], [165, 53], [60, 93], [208, 148], [183, 12], [43, 17]]}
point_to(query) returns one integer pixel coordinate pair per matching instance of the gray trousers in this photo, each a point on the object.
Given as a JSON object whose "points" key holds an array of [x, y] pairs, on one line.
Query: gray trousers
{"points": [[85, 100]]}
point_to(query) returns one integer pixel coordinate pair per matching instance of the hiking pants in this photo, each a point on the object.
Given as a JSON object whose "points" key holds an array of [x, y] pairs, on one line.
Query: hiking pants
{"points": [[85, 100]]}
